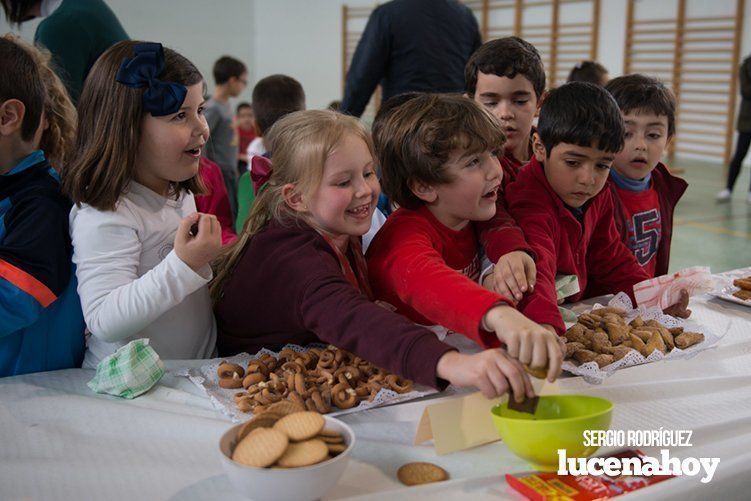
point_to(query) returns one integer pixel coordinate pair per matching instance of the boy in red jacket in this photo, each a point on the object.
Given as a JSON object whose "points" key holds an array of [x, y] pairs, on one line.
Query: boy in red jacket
{"points": [[559, 201], [438, 159], [644, 192], [506, 76]]}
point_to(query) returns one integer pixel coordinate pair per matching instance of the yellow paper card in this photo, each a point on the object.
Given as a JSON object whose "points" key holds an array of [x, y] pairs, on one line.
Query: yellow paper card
{"points": [[464, 422]]}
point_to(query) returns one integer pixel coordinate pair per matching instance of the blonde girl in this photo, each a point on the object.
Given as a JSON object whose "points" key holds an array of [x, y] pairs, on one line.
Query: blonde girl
{"points": [[297, 273]]}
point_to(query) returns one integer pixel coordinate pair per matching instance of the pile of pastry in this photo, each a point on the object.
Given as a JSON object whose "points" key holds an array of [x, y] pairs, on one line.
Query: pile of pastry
{"points": [[318, 379], [744, 286], [603, 336]]}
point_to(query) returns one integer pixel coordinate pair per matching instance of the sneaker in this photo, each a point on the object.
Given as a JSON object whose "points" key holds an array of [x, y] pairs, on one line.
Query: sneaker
{"points": [[724, 195]]}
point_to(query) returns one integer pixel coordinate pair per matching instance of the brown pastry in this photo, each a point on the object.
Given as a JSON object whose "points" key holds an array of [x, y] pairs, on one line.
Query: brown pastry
{"points": [[743, 283], [687, 339]]}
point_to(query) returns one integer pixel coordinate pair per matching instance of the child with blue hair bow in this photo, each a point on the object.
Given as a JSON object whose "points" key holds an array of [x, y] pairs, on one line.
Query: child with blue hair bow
{"points": [[142, 251]]}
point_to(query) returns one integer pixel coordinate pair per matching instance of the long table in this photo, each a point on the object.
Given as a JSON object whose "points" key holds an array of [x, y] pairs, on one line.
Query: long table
{"points": [[58, 440]]}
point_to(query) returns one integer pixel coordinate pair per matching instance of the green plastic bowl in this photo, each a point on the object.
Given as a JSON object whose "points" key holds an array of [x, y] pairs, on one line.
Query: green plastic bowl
{"points": [[558, 423]]}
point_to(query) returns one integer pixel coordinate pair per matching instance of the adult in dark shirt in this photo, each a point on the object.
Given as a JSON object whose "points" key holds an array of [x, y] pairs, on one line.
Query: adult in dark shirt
{"points": [[411, 45], [76, 32]]}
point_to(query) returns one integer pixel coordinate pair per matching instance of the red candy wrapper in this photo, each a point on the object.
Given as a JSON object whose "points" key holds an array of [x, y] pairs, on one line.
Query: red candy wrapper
{"points": [[538, 486]]}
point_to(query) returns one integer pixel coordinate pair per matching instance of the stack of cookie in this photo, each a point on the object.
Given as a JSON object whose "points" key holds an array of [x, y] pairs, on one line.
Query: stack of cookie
{"points": [[286, 436], [603, 336], [744, 284], [316, 379]]}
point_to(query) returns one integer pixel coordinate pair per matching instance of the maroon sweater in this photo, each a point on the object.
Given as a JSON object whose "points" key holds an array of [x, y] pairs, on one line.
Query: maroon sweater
{"points": [[288, 287]]}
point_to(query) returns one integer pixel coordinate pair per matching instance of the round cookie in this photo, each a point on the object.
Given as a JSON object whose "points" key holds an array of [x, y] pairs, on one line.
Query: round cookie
{"points": [[335, 449], [261, 448], [303, 454], [338, 439], [265, 420], [329, 433], [300, 425], [285, 408], [421, 473]]}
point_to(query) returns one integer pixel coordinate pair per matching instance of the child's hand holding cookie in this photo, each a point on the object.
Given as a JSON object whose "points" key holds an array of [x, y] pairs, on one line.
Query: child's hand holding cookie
{"points": [[493, 372], [527, 341], [198, 240]]}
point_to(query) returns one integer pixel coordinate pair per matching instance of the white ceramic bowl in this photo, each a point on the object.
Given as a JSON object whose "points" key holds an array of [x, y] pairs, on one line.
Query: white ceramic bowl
{"points": [[294, 484]]}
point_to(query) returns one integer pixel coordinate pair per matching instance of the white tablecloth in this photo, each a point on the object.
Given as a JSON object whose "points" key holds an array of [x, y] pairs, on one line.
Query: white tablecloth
{"points": [[58, 440]]}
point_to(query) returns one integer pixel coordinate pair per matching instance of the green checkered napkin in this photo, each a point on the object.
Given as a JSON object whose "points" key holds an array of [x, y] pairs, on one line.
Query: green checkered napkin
{"points": [[565, 286], [130, 371]]}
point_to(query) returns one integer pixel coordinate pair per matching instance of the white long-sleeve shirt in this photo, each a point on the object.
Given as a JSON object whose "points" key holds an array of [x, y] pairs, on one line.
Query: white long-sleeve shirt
{"points": [[131, 282]]}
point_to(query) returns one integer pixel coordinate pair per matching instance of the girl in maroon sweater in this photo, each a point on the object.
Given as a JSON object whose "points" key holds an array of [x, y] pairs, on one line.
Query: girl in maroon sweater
{"points": [[297, 273]]}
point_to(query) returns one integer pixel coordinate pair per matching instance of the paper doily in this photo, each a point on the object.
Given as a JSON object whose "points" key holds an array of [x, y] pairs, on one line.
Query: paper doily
{"points": [[206, 378], [593, 374]]}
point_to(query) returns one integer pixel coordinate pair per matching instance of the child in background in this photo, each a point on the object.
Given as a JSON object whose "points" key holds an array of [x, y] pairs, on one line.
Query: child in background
{"points": [[42, 326], [141, 250], [644, 192], [230, 78], [559, 201], [589, 71], [506, 76], [246, 132], [273, 97], [297, 274], [214, 200], [438, 155]]}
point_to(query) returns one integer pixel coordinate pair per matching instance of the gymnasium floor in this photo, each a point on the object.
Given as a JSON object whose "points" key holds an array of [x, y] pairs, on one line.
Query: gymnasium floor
{"points": [[708, 233]]}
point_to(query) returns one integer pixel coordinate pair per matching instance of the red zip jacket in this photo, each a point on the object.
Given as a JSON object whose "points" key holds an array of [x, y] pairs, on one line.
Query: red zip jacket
{"points": [[593, 251], [428, 272], [500, 234], [669, 190]]}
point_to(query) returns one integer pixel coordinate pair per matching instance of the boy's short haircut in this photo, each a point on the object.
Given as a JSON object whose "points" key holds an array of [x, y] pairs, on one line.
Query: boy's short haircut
{"points": [[587, 71], [583, 114], [387, 107], [274, 97], [506, 57], [642, 93], [243, 105], [417, 138], [20, 79], [227, 67]]}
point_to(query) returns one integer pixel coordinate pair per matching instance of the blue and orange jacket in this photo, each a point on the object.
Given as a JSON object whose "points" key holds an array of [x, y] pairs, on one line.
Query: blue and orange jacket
{"points": [[41, 324]]}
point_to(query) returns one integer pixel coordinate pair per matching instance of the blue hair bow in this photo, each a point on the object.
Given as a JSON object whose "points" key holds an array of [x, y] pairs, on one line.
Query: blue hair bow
{"points": [[159, 98]]}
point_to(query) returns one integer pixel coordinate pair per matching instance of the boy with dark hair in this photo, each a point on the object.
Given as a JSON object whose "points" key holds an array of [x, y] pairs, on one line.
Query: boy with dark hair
{"points": [[438, 156], [644, 192], [589, 71], [559, 201], [507, 77], [274, 97], [42, 326], [231, 78]]}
